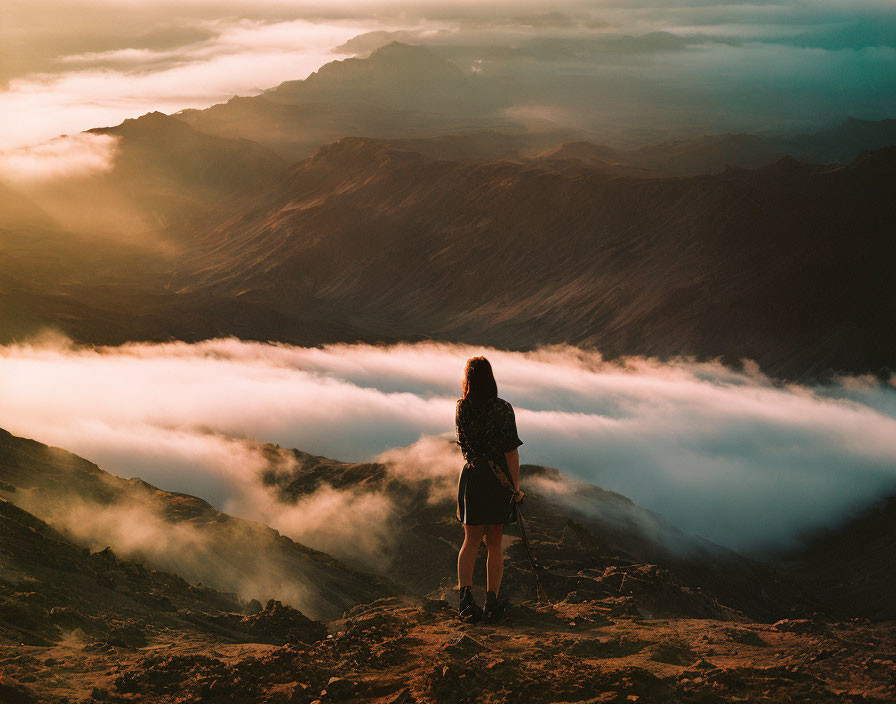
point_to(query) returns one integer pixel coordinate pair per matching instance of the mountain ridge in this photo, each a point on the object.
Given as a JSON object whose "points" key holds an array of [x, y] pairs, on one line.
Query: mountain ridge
{"points": [[409, 74], [436, 212], [398, 91], [209, 546]]}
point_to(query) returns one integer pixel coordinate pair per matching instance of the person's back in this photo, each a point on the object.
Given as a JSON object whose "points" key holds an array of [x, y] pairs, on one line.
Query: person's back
{"points": [[488, 488], [486, 432]]}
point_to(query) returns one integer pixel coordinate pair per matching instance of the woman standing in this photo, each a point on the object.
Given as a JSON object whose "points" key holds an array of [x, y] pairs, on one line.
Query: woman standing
{"points": [[488, 490]]}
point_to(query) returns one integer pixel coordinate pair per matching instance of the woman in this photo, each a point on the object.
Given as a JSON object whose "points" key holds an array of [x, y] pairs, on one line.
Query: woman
{"points": [[488, 490]]}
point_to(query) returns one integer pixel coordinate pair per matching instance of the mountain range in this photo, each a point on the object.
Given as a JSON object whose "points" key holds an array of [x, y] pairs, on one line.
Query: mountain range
{"points": [[734, 246], [373, 240], [399, 90]]}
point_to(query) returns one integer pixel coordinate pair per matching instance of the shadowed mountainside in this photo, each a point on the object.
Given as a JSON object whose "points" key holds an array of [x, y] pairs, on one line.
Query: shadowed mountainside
{"points": [[170, 169], [55, 590], [783, 264], [398, 75], [371, 241], [175, 532], [853, 563], [99, 250]]}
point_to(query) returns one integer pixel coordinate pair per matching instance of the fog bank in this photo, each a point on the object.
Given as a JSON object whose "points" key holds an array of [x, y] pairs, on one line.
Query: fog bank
{"points": [[730, 455]]}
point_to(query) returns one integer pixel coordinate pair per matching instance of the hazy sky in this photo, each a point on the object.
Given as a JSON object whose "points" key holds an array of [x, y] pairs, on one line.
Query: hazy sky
{"points": [[68, 65]]}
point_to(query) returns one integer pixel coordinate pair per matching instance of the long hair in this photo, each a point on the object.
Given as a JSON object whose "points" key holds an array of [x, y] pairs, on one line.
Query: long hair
{"points": [[479, 381]]}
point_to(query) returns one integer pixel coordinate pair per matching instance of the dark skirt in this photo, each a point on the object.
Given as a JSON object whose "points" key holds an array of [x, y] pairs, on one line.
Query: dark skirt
{"points": [[481, 499]]}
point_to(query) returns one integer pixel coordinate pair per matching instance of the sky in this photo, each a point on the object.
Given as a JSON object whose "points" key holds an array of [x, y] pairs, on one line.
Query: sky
{"points": [[733, 456], [69, 65]]}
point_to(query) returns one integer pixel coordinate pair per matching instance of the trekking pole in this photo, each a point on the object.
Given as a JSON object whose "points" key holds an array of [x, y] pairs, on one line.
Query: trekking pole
{"points": [[539, 587]]}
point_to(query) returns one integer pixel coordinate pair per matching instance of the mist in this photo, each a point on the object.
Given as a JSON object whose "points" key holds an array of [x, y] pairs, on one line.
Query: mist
{"points": [[76, 155], [67, 188], [730, 455]]}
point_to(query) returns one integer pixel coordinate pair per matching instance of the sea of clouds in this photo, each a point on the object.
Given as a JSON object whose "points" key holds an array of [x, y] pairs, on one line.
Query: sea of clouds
{"points": [[734, 456]]}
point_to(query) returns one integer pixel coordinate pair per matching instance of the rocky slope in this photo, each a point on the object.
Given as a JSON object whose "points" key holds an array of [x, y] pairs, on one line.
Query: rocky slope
{"points": [[54, 590], [405, 651], [65, 612], [175, 532]]}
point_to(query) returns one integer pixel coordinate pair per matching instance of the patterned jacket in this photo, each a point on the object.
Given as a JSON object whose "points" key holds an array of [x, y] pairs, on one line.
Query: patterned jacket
{"points": [[487, 432]]}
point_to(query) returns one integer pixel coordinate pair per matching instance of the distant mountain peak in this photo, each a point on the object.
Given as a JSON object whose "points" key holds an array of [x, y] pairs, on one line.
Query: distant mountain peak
{"points": [[151, 122], [399, 51], [153, 116], [394, 75]]}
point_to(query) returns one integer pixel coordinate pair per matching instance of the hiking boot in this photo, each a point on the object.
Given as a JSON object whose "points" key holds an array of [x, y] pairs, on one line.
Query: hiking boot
{"points": [[494, 607], [468, 609]]}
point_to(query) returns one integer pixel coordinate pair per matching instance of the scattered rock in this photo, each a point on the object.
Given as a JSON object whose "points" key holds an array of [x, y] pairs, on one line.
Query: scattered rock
{"points": [[401, 697], [463, 646], [126, 637], [702, 664], [253, 607], [798, 625], [581, 596], [105, 554], [671, 653], [621, 646], [745, 637], [278, 623], [434, 605], [339, 688]]}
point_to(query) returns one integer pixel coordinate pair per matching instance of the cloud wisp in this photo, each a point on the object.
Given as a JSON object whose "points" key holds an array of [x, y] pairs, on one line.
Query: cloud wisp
{"points": [[730, 455], [100, 88], [76, 155]]}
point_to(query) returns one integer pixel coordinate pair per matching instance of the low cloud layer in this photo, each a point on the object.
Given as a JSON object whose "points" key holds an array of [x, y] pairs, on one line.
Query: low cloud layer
{"points": [[730, 455]]}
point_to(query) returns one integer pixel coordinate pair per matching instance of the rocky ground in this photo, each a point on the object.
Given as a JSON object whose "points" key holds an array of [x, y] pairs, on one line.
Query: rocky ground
{"points": [[89, 627], [409, 650]]}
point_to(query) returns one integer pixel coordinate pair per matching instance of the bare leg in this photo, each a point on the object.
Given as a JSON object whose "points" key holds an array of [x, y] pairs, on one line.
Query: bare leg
{"points": [[466, 558], [493, 535]]}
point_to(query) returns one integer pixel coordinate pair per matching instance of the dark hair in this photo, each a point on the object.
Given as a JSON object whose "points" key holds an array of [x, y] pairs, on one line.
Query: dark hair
{"points": [[479, 381]]}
